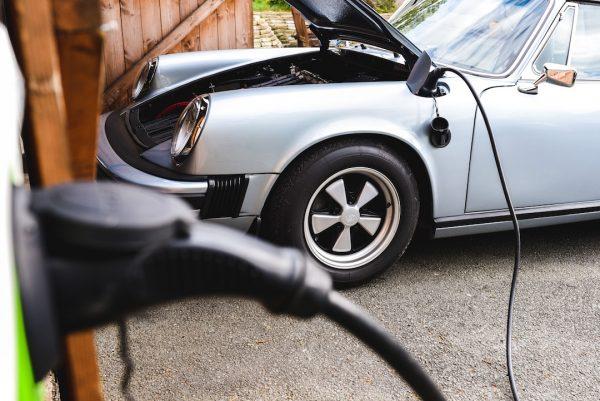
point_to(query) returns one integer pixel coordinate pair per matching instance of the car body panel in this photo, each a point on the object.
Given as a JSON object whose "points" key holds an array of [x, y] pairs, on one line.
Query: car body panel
{"points": [[256, 194], [231, 143], [541, 155], [175, 70], [548, 159]]}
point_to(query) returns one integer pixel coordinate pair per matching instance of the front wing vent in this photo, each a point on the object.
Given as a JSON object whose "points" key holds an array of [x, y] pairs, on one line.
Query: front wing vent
{"points": [[225, 197]]}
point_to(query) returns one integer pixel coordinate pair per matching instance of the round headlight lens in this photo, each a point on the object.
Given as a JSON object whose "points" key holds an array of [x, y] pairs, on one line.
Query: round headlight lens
{"points": [[144, 79], [188, 128]]}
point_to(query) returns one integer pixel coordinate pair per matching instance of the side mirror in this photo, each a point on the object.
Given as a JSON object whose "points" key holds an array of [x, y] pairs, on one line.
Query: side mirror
{"points": [[561, 75], [556, 74]]}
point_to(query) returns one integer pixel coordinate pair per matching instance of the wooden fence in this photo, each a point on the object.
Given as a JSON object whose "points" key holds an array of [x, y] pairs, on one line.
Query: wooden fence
{"points": [[137, 30]]}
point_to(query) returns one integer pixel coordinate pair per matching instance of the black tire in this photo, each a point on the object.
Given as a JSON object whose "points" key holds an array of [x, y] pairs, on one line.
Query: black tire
{"points": [[284, 213]]}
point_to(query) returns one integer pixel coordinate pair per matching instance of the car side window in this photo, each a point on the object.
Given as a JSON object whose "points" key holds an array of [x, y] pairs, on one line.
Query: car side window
{"points": [[585, 50], [556, 49]]}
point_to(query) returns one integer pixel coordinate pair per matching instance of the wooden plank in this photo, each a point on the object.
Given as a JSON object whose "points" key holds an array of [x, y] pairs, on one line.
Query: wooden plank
{"points": [[45, 125], [151, 25], [191, 41], [77, 24], [301, 29], [77, 27], [209, 33], [169, 19], [114, 55], [226, 25], [118, 92], [79, 379], [133, 38], [244, 30]]}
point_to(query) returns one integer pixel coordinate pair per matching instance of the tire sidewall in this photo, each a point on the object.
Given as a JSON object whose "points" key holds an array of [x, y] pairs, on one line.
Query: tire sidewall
{"points": [[316, 170]]}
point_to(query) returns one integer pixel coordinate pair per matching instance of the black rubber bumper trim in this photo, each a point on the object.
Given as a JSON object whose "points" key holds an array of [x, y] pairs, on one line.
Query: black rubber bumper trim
{"points": [[225, 196], [523, 214]]}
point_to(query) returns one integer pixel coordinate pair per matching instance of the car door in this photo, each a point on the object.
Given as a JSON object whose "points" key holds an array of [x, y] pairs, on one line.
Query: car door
{"points": [[549, 142]]}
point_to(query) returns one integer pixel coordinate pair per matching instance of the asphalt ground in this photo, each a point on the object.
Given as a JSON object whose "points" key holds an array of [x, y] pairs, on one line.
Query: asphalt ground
{"points": [[446, 302]]}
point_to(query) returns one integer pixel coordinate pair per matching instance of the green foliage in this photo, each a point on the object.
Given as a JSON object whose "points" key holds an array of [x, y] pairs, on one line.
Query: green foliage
{"points": [[270, 5], [383, 6], [278, 4], [415, 16]]}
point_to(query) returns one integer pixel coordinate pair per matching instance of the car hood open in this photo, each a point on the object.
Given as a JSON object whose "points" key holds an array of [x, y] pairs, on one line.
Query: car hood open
{"points": [[354, 20]]}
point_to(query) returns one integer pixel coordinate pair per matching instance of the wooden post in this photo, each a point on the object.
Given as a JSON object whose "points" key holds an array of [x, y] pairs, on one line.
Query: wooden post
{"points": [[46, 144], [244, 29], [301, 29], [60, 135], [77, 27]]}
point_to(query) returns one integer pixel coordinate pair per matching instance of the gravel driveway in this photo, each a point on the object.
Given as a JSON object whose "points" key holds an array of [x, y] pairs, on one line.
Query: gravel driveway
{"points": [[445, 300]]}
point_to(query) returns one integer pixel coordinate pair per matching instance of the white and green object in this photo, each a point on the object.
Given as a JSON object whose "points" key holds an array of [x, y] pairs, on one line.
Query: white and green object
{"points": [[16, 374]]}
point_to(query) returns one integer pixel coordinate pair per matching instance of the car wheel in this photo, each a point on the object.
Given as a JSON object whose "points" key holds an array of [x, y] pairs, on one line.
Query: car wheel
{"points": [[352, 205]]}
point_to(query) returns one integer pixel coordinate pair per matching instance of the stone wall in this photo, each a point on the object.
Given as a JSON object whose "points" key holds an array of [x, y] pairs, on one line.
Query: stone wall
{"points": [[276, 29]]}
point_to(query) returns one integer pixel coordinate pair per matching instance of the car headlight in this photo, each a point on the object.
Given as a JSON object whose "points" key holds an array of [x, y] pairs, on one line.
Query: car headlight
{"points": [[188, 128], [144, 78]]}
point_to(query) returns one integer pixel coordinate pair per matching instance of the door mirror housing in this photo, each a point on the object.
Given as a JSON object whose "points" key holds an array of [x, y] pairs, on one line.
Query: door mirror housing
{"points": [[561, 75], [557, 74]]}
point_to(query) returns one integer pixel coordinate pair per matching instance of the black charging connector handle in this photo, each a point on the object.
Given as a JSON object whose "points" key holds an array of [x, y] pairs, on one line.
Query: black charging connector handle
{"points": [[218, 260], [99, 272], [113, 249]]}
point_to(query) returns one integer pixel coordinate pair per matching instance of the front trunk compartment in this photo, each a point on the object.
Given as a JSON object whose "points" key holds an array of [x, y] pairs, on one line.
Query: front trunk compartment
{"points": [[152, 122]]}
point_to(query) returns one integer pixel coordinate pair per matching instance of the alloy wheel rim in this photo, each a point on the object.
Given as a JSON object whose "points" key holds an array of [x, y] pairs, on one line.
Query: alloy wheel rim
{"points": [[352, 218]]}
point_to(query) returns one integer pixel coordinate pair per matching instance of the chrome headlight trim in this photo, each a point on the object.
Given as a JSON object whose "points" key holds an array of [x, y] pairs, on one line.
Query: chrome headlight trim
{"points": [[144, 78], [188, 128]]}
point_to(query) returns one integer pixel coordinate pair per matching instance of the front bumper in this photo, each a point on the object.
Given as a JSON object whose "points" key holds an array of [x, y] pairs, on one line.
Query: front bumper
{"points": [[232, 200], [114, 167]]}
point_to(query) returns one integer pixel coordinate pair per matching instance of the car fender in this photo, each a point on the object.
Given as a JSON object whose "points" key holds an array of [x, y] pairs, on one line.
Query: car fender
{"points": [[175, 70], [261, 131]]}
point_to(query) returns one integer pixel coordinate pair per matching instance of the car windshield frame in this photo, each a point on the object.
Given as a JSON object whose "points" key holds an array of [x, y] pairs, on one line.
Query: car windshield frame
{"points": [[510, 66]]}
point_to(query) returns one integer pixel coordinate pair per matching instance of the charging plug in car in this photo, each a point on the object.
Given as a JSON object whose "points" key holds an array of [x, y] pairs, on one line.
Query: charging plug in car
{"points": [[92, 253], [423, 81]]}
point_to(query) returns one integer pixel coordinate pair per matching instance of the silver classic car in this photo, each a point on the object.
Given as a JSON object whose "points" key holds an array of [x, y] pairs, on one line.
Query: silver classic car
{"points": [[327, 149]]}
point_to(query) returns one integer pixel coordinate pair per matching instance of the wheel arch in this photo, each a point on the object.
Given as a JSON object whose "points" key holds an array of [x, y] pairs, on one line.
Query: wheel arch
{"points": [[403, 149]]}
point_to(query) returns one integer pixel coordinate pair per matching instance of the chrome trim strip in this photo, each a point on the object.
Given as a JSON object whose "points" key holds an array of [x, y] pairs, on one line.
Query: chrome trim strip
{"points": [[121, 171], [573, 29], [549, 34]]}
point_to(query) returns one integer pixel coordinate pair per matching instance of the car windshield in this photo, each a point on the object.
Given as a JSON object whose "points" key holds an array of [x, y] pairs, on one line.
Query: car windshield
{"points": [[478, 35]]}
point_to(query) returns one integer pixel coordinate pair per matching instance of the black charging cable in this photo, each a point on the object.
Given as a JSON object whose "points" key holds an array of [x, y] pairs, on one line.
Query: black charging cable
{"points": [[128, 365], [516, 228], [215, 260], [109, 253], [357, 322]]}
